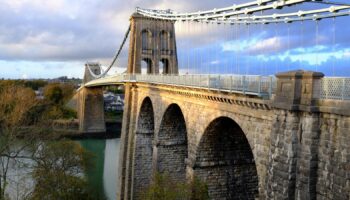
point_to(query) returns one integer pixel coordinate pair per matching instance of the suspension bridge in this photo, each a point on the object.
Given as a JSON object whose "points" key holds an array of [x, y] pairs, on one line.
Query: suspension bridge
{"points": [[246, 136]]}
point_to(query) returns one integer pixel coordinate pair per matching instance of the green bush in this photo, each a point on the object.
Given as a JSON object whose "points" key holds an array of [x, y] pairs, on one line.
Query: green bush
{"points": [[164, 188], [69, 113]]}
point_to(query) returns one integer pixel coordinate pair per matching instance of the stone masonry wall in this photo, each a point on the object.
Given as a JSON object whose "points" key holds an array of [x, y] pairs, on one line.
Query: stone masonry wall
{"points": [[172, 144], [225, 162], [333, 180], [90, 110], [297, 154], [199, 111], [283, 156], [309, 156], [143, 149]]}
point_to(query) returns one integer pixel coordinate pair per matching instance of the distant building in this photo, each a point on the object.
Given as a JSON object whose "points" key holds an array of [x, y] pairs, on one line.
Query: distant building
{"points": [[113, 102], [39, 93]]}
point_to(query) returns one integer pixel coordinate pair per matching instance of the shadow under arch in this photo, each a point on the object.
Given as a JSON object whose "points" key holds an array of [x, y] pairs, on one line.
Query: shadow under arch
{"points": [[225, 161], [172, 144], [143, 147]]}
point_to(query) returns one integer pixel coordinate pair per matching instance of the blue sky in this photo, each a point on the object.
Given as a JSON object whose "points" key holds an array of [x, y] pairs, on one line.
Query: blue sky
{"points": [[47, 39]]}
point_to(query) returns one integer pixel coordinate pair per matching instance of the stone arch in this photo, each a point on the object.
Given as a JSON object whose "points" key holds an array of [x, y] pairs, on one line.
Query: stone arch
{"points": [[146, 37], [146, 66], [164, 66], [143, 156], [164, 40], [225, 161], [172, 144]]}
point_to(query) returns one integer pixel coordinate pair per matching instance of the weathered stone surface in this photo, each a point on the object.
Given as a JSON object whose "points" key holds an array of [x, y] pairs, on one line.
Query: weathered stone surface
{"points": [[296, 155], [143, 154], [198, 115], [153, 43], [90, 110]]}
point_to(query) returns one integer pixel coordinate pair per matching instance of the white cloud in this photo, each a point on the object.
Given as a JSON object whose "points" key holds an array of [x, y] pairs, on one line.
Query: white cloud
{"points": [[346, 54], [214, 62], [266, 45], [47, 6], [313, 55], [24, 76]]}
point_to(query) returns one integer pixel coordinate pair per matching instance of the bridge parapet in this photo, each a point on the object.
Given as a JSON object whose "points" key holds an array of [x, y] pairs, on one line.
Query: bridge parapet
{"points": [[335, 88], [262, 86], [297, 90], [323, 88]]}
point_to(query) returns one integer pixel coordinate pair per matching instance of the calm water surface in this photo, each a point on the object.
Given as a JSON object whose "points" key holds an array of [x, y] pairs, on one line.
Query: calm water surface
{"points": [[103, 177]]}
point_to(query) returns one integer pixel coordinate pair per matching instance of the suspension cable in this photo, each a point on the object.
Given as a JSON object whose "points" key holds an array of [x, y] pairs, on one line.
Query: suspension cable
{"points": [[289, 58], [226, 15], [333, 46], [317, 45], [114, 59]]}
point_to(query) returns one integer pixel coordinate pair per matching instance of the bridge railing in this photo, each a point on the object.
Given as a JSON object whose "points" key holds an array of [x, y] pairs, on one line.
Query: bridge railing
{"points": [[246, 84], [337, 88]]}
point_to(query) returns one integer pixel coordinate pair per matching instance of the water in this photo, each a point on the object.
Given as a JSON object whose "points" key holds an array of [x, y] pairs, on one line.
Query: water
{"points": [[103, 177]]}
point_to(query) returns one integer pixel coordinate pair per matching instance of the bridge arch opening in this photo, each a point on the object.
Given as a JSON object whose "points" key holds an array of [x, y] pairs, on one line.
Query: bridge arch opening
{"points": [[146, 66], [164, 66], [146, 36], [164, 40], [225, 161], [143, 162], [172, 144]]}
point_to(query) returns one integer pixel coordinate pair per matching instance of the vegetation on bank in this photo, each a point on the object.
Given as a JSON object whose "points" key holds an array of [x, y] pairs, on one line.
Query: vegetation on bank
{"points": [[114, 116], [27, 142], [163, 187]]}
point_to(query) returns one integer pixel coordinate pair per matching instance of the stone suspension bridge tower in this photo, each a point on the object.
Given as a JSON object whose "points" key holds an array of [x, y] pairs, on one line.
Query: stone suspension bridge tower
{"points": [[152, 42], [246, 137]]}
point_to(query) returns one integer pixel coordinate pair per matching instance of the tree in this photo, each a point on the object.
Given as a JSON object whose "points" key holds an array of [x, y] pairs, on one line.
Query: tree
{"points": [[26, 141], [15, 102], [35, 84], [68, 91], [59, 93], [56, 96], [53, 93], [58, 170]]}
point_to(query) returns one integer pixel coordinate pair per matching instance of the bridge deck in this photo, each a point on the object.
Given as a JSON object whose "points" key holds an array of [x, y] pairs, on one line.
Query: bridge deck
{"points": [[251, 85], [337, 88]]}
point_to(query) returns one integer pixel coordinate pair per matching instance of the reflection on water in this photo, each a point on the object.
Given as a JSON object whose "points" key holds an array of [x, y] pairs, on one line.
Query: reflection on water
{"points": [[103, 177], [110, 170]]}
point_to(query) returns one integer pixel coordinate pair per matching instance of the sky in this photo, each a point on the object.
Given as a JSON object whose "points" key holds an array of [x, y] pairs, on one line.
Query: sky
{"points": [[48, 39]]}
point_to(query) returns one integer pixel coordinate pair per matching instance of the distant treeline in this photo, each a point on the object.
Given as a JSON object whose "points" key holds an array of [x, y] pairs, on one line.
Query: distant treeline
{"points": [[52, 105], [115, 89], [39, 83], [33, 84]]}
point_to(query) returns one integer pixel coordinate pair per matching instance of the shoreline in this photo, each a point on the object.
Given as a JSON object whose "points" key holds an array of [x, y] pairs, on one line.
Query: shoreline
{"points": [[113, 130]]}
